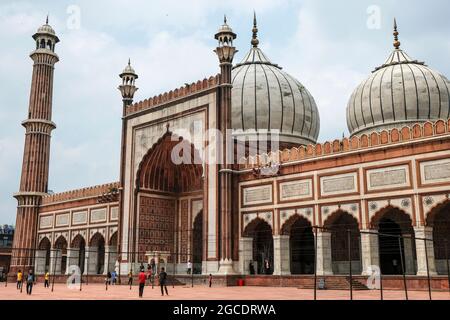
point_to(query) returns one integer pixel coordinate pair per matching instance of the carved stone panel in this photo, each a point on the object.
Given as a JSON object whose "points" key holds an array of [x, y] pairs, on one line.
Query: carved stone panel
{"points": [[435, 171], [388, 178], [46, 222], [79, 217], [62, 220], [295, 190], [257, 195], [339, 184], [98, 215]]}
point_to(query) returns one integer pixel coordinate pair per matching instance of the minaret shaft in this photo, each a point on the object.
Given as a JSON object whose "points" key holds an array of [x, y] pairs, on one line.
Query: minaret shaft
{"points": [[36, 155]]}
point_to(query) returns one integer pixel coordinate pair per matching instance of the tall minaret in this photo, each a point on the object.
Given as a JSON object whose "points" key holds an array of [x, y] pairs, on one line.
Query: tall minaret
{"points": [[38, 126], [127, 89], [225, 51]]}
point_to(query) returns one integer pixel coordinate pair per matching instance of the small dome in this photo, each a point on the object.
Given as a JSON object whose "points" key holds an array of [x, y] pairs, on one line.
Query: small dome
{"points": [[46, 28], [266, 99], [129, 71], [46, 31], [400, 92]]}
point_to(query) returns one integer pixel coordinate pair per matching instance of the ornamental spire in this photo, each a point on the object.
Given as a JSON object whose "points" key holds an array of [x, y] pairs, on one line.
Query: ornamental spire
{"points": [[396, 41], [255, 41]]}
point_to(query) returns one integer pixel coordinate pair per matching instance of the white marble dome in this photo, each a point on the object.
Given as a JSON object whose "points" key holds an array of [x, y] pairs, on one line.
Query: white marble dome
{"points": [[402, 91], [265, 99]]}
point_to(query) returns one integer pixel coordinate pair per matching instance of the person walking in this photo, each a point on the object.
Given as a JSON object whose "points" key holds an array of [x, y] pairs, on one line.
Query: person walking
{"points": [[189, 267], [130, 278], [142, 278], [19, 279], [30, 282], [114, 278], [210, 280], [47, 280], [108, 278], [163, 281]]}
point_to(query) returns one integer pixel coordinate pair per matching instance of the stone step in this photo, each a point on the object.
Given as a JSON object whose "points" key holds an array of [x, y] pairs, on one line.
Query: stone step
{"points": [[337, 283]]}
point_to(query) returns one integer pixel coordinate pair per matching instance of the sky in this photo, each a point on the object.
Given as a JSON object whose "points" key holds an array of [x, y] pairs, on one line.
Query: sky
{"points": [[329, 46]]}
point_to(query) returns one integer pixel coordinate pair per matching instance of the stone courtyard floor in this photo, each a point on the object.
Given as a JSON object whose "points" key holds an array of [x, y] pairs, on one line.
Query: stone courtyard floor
{"points": [[98, 292]]}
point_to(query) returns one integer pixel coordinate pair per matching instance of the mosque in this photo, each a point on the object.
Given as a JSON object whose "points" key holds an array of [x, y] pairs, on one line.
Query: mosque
{"points": [[297, 208]]}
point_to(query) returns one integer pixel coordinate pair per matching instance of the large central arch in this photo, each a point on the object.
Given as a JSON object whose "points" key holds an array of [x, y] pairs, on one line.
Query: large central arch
{"points": [[168, 179]]}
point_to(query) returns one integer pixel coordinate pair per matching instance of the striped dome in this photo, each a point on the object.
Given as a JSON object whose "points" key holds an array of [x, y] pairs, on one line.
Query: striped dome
{"points": [[265, 99], [401, 92]]}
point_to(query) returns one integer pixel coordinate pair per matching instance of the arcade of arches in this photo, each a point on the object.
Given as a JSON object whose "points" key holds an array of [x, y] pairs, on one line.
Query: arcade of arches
{"points": [[393, 243], [99, 256], [167, 219]]}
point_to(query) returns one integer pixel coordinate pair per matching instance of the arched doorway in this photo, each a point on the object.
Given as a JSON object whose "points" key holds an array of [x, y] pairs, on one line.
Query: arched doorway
{"points": [[301, 245], [97, 254], [396, 241], [262, 235], [168, 177], [197, 244], [79, 252], [43, 256], [439, 220], [112, 253], [339, 224], [61, 255]]}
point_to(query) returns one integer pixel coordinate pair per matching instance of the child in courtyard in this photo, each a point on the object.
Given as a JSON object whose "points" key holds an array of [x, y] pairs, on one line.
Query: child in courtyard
{"points": [[47, 280]]}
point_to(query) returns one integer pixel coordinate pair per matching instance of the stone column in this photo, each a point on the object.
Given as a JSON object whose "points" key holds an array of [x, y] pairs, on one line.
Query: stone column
{"points": [[40, 261], [55, 261], [245, 254], [369, 251], [282, 256], [107, 268], [425, 233], [409, 254], [324, 262], [72, 258], [91, 260]]}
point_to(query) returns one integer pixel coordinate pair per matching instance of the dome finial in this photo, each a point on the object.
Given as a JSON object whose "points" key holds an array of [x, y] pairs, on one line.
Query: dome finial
{"points": [[129, 61], [255, 41], [46, 21], [224, 19], [396, 42]]}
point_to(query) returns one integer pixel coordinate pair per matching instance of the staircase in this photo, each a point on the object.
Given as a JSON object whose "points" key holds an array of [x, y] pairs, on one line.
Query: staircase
{"points": [[336, 283]]}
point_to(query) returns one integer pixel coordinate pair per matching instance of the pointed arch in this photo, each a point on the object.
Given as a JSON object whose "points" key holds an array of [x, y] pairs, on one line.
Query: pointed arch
{"points": [[158, 172]]}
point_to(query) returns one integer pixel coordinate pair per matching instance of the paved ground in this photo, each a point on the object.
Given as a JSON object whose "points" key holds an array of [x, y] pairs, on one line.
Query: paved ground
{"points": [[98, 292]]}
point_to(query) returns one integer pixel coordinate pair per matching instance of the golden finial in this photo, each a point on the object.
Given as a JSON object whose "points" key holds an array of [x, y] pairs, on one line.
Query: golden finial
{"points": [[255, 40], [396, 42]]}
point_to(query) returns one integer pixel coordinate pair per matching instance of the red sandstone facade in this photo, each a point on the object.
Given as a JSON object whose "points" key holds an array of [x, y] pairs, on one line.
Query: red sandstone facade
{"points": [[221, 217]]}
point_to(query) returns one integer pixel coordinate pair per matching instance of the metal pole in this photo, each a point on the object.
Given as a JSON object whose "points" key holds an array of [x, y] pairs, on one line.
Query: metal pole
{"points": [[315, 266], [349, 237], [81, 273], [381, 272], [403, 268], [446, 259], [54, 271], [428, 269]]}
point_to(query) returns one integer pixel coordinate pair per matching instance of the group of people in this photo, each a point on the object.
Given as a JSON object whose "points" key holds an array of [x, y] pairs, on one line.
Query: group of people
{"points": [[111, 278], [29, 279], [143, 277]]}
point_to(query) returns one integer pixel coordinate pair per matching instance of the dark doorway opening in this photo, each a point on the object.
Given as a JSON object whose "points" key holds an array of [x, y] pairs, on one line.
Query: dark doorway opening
{"points": [[302, 247]]}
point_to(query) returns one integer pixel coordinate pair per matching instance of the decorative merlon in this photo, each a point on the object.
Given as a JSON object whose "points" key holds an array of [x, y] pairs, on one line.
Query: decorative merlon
{"points": [[89, 192], [363, 142], [173, 95]]}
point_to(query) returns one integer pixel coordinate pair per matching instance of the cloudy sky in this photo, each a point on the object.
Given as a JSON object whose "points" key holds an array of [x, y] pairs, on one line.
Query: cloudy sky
{"points": [[330, 46]]}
